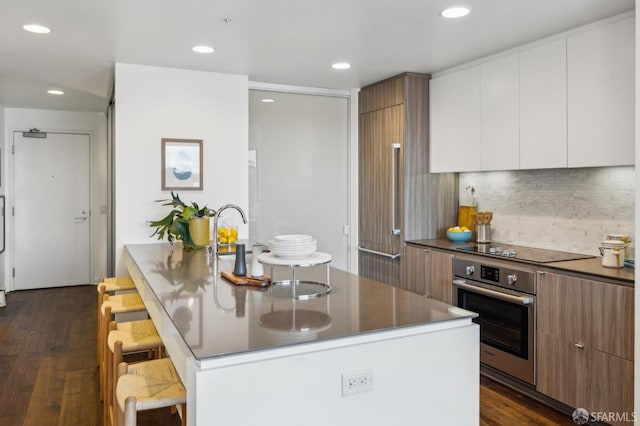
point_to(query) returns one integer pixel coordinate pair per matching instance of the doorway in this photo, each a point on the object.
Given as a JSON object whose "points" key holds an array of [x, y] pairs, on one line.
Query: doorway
{"points": [[299, 169], [51, 210]]}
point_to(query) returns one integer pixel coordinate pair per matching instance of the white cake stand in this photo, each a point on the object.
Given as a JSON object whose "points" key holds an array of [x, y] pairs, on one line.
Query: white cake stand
{"points": [[300, 289]]}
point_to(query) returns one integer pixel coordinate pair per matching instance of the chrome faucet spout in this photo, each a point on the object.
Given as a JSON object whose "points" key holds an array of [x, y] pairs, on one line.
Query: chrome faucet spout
{"points": [[215, 224]]}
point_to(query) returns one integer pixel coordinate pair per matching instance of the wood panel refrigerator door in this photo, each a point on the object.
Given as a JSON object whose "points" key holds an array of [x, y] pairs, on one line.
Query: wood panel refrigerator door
{"points": [[52, 220], [381, 171]]}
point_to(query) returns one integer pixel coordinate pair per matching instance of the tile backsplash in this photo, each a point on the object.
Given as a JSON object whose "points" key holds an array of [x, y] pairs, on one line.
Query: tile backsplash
{"points": [[558, 209]]}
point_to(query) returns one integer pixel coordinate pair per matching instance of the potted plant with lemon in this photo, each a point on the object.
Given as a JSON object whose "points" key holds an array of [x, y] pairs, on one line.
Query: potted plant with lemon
{"points": [[186, 223]]}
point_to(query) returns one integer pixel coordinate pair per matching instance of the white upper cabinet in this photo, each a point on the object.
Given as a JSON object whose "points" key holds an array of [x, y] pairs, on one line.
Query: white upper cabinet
{"points": [[500, 97], [543, 106], [601, 95], [454, 126], [568, 102]]}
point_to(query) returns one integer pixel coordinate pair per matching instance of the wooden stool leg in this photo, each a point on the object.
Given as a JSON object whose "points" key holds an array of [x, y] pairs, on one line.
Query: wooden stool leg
{"points": [[183, 408], [106, 318], [130, 413], [101, 293], [116, 359], [119, 420], [107, 371]]}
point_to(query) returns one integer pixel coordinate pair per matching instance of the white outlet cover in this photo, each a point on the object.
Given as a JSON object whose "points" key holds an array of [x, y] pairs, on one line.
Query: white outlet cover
{"points": [[357, 381]]}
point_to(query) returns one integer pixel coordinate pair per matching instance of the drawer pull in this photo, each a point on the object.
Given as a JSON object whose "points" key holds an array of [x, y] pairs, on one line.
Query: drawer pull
{"points": [[579, 345]]}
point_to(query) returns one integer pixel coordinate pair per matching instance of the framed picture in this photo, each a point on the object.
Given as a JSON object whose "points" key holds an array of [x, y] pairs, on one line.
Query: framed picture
{"points": [[181, 164], [186, 313]]}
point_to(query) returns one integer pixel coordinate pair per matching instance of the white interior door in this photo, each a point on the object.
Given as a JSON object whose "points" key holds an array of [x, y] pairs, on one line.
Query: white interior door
{"points": [[51, 217]]}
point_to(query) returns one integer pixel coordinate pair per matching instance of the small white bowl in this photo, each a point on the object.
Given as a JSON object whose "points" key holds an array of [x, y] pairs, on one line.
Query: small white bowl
{"points": [[294, 238]]}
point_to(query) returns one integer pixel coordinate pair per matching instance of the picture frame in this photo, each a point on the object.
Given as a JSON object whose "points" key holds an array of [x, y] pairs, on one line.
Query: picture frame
{"points": [[181, 164]]}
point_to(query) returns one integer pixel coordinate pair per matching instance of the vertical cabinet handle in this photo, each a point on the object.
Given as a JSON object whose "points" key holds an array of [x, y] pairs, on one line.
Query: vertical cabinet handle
{"points": [[395, 159]]}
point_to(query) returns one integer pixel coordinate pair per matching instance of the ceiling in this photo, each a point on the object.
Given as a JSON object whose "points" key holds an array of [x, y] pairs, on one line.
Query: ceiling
{"points": [[277, 41]]}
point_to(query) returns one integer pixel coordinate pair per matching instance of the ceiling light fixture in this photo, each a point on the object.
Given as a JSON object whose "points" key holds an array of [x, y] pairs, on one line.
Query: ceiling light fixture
{"points": [[341, 66], [202, 49], [268, 100], [455, 12], [35, 28], [55, 90]]}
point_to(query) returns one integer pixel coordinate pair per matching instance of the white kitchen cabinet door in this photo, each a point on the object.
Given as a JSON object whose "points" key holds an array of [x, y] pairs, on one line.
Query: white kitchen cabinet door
{"points": [[500, 95], [601, 96], [454, 108], [543, 106]]}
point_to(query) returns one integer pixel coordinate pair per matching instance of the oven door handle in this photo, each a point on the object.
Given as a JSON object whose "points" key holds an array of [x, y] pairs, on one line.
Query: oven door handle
{"points": [[520, 300]]}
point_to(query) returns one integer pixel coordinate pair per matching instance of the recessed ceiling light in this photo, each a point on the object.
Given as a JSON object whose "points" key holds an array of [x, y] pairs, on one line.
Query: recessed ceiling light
{"points": [[455, 12], [202, 49], [35, 28], [268, 100], [55, 91], [341, 66]]}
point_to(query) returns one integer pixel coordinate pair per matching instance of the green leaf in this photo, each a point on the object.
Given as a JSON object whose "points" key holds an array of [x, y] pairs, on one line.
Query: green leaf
{"points": [[188, 212]]}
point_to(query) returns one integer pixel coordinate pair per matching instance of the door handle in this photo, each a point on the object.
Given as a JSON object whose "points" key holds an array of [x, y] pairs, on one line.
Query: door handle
{"points": [[395, 170], [84, 212], [379, 253], [520, 300]]}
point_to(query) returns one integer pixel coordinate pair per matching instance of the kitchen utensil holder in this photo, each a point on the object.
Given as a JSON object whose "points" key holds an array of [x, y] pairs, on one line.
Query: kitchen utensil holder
{"points": [[483, 233]]}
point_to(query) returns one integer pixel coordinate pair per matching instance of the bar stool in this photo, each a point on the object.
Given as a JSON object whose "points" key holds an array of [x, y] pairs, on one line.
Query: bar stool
{"points": [[123, 339], [145, 386], [112, 305], [110, 286]]}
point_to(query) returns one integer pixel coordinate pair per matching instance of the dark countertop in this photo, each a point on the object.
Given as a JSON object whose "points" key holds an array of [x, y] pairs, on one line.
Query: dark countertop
{"points": [[592, 266], [216, 318]]}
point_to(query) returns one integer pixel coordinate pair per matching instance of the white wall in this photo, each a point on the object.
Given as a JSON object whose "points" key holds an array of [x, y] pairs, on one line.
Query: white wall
{"points": [[19, 119], [557, 209], [154, 103]]}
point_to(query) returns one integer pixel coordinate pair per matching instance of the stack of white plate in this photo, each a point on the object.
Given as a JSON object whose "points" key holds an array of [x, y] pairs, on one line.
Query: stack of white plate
{"points": [[293, 246]]}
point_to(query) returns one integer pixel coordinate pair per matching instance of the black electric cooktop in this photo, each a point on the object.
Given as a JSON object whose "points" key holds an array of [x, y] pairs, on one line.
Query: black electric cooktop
{"points": [[528, 254]]}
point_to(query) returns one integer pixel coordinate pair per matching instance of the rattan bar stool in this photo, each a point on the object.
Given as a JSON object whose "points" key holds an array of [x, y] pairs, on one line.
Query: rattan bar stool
{"points": [[148, 385], [110, 286], [112, 305], [126, 338]]}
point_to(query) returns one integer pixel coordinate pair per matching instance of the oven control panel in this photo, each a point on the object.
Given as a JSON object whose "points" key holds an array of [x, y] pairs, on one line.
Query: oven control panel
{"points": [[490, 273], [486, 272]]}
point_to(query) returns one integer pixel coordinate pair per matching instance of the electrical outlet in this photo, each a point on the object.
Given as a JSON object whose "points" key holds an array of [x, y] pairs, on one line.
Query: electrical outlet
{"points": [[357, 381]]}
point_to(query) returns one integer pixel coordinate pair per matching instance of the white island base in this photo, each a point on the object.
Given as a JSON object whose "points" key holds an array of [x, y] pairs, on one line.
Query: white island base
{"points": [[426, 375]]}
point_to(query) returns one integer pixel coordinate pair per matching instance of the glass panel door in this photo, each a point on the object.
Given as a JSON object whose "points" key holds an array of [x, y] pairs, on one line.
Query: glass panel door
{"points": [[298, 169]]}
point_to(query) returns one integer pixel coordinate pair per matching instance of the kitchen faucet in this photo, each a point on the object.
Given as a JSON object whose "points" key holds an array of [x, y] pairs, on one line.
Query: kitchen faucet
{"points": [[215, 224]]}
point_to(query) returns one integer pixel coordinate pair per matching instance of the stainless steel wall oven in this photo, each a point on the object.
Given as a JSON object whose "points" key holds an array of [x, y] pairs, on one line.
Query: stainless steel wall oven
{"points": [[504, 298]]}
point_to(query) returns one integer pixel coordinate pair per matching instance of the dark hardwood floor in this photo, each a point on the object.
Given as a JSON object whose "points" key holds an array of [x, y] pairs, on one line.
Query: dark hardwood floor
{"points": [[48, 371], [501, 405]]}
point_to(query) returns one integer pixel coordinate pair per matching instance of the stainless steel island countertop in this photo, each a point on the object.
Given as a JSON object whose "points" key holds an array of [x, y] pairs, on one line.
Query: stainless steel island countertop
{"points": [[216, 318]]}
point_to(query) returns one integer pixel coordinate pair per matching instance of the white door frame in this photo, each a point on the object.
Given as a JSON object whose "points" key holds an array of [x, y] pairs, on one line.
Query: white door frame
{"points": [[8, 161]]}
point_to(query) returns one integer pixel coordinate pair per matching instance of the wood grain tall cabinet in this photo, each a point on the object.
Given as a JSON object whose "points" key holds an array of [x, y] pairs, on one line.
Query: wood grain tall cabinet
{"points": [[399, 199]]}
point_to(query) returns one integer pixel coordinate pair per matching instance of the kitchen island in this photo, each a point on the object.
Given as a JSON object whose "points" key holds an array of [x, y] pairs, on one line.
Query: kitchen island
{"points": [[366, 353]]}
